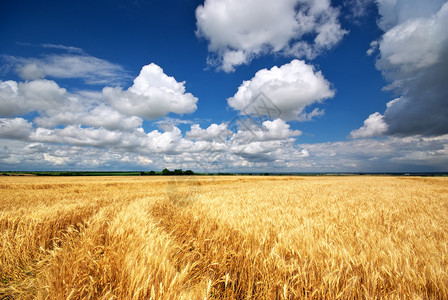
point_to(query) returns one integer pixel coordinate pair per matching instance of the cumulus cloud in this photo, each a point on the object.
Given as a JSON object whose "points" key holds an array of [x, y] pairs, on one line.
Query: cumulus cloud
{"points": [[168, 123], [274, 130], [395, 12], [413, 57], [278, 130], [75, 113], [391, 154], [56, 106], [56, 160], [153, 95], [170, 149], [16, 128], [373, 126], [199, 147], [290, 88], [213, 132], [217, 148], [74, 147], [271, 142], [83, 121], [75, 135], [414, 44], [30, 71], [21, 98], [238, 31], [42, 156]]}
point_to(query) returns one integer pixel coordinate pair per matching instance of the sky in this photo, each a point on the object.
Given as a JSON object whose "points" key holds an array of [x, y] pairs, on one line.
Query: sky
{"points": [[224, 85]]}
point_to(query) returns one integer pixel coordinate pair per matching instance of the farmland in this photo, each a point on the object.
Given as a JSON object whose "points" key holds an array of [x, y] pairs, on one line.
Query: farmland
{"points": [[234, 237]]}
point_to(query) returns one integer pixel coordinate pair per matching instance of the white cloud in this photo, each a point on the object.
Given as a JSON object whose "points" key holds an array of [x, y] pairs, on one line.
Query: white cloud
{"points": [[153, 95], [92, 69], [237, 31], [30, 71], [55, 160], [392, 154], [76, 64], [10, 102], [167, 142], [213, 132], [41, 94], [142, 160], [232, 58], [16, 128], [291, 88], [373, 47], [414, 44], [248, 143], [373, 126], [106, 117], [168, 123], [303, 117], [86, 148], [200, 149], [84, 112], [57, 107], [70, 126], [75, 135], [63, 47], [21, 98], [276, 130], [395, 12], [40, 156], [413, 56], [358, 8]]}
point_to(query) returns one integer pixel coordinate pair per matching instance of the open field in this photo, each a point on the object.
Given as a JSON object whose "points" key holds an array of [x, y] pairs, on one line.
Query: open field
{"points": [[223, 237]]}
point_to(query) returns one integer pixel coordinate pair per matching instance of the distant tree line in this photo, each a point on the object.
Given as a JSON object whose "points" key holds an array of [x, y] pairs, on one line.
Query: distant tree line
{"points": [[176, 172]]}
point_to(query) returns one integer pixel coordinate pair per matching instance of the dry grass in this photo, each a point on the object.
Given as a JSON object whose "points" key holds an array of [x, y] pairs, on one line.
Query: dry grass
{"points": [[223, 237]]}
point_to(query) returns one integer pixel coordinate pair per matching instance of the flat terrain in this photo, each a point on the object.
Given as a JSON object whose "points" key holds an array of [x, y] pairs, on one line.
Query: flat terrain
{"points": [[223, 237]]}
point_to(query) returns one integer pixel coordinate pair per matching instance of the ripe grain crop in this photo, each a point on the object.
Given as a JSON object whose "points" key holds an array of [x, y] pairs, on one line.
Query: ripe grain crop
{"points": [[223, 237]]}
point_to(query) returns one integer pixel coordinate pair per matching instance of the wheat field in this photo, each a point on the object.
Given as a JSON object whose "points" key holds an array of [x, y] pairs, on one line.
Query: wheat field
{"points": [[229, 237]]}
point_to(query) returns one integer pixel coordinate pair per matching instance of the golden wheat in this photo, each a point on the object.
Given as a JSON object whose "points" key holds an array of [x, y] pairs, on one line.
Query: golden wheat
{"points": [[223, 237]]}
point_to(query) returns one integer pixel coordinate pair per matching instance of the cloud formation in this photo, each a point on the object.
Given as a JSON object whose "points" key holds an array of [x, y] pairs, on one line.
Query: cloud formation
{"points": [[74, 64], [15, 128], [238, 31], [392, 154], [153, 95], [103, 120], [291, 88], [70, 129], [213, 132], [198, 149], [17, 98], [373, 126], [413, 57], [104, 150], [81, 131]]}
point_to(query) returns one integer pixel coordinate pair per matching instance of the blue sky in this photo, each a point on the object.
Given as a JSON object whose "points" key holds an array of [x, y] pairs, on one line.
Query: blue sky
{"points": [[141, 85]]}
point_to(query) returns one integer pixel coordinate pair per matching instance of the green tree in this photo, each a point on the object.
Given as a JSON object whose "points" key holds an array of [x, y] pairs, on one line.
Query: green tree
{"points": [[189, 172], [178, 172]]}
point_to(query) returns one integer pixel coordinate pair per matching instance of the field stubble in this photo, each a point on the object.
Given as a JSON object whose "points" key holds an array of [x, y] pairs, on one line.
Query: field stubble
{"points": [[223, 237]]}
